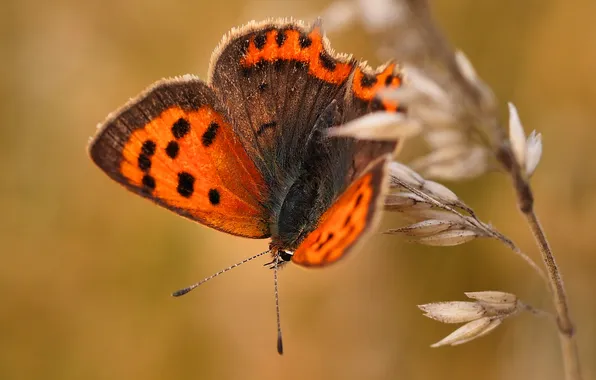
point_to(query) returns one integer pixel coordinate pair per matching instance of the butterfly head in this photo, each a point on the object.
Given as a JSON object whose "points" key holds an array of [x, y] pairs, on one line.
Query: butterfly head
{"points": [[280, 256], [285, 256]]}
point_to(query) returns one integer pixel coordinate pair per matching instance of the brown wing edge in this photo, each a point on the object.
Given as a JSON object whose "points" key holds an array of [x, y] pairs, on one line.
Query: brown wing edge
{"points": [[379, 169]]}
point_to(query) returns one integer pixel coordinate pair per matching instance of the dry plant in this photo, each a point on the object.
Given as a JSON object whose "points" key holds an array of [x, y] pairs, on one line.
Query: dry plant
{"points": [[457, 115]]}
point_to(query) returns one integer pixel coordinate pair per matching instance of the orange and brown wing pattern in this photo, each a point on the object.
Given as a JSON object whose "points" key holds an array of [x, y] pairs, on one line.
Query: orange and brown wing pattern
{"points": [[293, 43], [277, 77], [367, 85], [364, 96], [347, 220], [174, 145]]}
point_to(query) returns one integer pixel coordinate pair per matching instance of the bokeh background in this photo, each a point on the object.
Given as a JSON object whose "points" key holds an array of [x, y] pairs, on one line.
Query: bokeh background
{"points": [[86, 268]]}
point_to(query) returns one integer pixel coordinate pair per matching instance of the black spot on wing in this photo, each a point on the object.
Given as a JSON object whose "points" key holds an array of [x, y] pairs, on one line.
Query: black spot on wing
{"points": [[264, 127], [180, 128], [260, 40], [327, 61], [280, 38], [209, 135], [144, 162], [214, 197], [368, 80], [358, 200], [148, 183], [305, 41], [172, 149], [324, 242], [186, 184], [348, 220], [148, 148]]}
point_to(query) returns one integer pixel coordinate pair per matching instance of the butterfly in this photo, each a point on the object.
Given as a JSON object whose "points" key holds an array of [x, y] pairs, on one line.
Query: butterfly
{"points": [[247, 151]]}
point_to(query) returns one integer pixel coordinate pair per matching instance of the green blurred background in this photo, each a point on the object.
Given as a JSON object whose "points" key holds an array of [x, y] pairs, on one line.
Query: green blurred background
{"points": [[87, 268]]}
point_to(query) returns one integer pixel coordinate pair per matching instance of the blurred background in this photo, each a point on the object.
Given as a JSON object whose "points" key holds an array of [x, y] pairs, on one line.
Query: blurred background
{"points": [[87, 268]]}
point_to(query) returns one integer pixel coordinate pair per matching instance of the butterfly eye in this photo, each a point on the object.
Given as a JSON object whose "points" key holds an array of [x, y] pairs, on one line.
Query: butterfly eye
{"points": [[286, 255]]}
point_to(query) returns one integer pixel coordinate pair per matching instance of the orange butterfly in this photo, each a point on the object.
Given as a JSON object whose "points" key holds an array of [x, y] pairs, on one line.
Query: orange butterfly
{"points": [[247, 151]]}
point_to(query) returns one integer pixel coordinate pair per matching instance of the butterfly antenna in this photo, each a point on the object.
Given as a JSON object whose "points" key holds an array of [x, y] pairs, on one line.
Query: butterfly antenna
{"points": [[280, 346], [182, 292]]}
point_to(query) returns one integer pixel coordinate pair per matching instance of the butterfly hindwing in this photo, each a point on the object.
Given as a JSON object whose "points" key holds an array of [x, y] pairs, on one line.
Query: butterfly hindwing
{"points": [[365, 95], [367, 85], [344, 224], [174, 145]]}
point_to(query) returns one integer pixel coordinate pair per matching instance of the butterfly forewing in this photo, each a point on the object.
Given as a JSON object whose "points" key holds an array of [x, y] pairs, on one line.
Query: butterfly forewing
{"points": [[277, 78], [174, 145]]}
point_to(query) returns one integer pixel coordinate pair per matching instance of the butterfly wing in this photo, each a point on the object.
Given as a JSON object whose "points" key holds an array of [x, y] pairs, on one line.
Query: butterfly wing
{"points": [[366, 86], [347, 220], [277, 77], [174, 145], [365, 95]]}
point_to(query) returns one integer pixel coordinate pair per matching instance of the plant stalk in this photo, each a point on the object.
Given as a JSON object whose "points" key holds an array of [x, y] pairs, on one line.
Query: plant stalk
{"points": [[566, 329], [525, 199]]}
